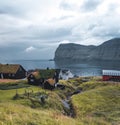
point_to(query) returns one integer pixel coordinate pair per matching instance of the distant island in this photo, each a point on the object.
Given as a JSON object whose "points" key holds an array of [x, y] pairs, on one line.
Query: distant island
{"points": [[51, 60], [109, 50]]}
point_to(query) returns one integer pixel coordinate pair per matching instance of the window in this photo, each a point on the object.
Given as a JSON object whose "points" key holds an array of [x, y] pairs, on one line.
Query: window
{"points": [[20, 69]]}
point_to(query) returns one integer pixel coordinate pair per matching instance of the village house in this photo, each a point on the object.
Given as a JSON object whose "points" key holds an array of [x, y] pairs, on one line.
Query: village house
{"points": [[34, 78], [111, 75], [40, 75], [65, 74], [49, 84], [47, 78], [12, 71]]}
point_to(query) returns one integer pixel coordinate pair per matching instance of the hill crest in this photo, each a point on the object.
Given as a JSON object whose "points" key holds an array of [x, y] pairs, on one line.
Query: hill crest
{"points": [[109, 50]]}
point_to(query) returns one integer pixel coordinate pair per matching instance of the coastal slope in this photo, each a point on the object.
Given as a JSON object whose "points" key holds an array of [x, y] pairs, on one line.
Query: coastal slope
{"points": [[109, 50]]}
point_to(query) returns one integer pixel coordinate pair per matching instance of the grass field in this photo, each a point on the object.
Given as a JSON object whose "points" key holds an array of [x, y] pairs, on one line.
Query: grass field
{"points": [[97, 104]]}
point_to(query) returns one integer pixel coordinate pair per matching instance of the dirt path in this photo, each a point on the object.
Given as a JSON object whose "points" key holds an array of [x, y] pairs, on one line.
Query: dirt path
{"points": [[7, 80]]}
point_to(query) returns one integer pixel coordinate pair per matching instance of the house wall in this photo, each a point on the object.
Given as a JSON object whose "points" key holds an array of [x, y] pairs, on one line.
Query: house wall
{"points": [[31, 79], [48, 86], [65, 75], [21, 73], [7, 76], [1, 76], [111, 78], [106, 78]]}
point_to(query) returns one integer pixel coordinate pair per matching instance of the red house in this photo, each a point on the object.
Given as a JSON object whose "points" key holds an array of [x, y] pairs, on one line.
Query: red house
{"points": [[111, 75]]}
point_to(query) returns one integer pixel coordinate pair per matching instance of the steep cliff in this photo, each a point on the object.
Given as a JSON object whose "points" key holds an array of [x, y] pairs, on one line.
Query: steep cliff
{"points": [[109, 50], [72, 51]]}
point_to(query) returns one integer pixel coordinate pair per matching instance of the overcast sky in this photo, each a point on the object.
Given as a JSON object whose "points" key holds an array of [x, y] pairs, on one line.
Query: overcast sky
{"points": [[33, 29]]}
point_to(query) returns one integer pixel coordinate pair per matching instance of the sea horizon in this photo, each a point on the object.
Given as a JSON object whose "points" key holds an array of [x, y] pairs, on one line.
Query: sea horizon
{"points": [[81, 68]]}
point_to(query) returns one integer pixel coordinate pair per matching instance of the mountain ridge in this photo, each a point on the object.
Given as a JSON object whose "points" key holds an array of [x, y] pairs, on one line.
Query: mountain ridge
{"points": [[109, 50]]}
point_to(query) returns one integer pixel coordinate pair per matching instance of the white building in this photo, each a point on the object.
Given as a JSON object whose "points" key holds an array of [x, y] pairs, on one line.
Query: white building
{"points": [[65, 74]]}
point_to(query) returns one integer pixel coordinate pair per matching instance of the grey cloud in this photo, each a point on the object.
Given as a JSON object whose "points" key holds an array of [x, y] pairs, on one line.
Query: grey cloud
{"points": [[16, 8], [7, 32], [17, 51], [90, 5], [103, 31], [17, 34], [11, 51], [65, 6], [65, 17], [92, 26], [104, 27], [55, 33], [48, 34], [34, 36], [107, 27], [9, 10], [2, 11], [62, 18]]}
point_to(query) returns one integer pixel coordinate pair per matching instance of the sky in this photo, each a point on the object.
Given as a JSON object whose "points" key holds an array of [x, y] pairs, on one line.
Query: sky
{"points": [[33, 29]]}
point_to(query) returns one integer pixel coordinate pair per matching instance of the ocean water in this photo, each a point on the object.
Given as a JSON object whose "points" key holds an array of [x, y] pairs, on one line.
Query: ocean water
{"points": [[81, 68]]}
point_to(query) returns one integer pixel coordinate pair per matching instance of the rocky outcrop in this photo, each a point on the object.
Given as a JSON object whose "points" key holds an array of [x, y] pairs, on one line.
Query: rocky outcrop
{"points": [[72, 51], [109, 50]]}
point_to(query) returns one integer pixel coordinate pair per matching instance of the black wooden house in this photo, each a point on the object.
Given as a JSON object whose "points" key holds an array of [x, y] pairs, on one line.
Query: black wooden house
{"points": [[12, 71]]}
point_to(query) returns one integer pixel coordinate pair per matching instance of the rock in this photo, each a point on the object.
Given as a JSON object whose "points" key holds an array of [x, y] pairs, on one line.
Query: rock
{"points": [[109, 50], [72, 51]]}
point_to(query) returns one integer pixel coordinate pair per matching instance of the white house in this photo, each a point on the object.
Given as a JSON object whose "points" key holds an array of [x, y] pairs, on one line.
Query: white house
{"points": [[65, 74]]}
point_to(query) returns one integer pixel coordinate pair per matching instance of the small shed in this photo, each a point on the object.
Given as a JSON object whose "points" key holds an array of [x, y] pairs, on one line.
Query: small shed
{"points": [[12, 71], [111, 75], [49, 84], [34, 78]]}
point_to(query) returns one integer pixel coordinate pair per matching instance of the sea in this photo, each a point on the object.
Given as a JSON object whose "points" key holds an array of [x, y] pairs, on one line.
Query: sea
{"points": [[81, 68]]}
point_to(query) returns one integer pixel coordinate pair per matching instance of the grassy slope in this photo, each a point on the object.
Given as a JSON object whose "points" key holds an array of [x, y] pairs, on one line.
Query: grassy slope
{"points": [[98, 104], [25, 112], [12, 114]]}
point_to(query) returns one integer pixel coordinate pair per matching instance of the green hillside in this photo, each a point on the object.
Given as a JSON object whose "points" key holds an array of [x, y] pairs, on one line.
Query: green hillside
{"points": [[97, 104]]}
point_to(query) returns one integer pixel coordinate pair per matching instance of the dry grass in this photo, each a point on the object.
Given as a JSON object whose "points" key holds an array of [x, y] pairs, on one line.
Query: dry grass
{"points": [[13, 114], [8, 81]]}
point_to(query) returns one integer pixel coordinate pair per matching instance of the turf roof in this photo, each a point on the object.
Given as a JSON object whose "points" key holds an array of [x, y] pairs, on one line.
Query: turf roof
{"points": [[9, 68]]}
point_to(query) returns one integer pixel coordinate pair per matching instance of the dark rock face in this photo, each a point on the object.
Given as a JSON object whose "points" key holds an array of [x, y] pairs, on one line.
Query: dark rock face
{"points": [[109, 50], [72, 51]]}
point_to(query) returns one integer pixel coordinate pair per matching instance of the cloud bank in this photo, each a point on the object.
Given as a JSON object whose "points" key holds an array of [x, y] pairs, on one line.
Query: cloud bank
{"points": [[26, 25]]}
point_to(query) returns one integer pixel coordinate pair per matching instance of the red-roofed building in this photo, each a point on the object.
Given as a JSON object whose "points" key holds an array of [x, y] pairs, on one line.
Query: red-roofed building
{"points": [[111, 75]]}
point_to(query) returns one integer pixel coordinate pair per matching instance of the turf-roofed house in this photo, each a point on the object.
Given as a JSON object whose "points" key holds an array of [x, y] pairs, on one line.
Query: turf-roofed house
{"points": [[12, 71]]}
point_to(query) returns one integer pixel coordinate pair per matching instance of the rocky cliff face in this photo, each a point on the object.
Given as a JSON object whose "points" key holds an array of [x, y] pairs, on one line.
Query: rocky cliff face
{"points": [[109, 50]]}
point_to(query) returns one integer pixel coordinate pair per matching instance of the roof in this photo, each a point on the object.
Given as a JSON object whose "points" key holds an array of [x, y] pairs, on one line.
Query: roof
{"points": [[111, 72], [35, 74], [51, 81], [9, 68], [44, 73]]}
